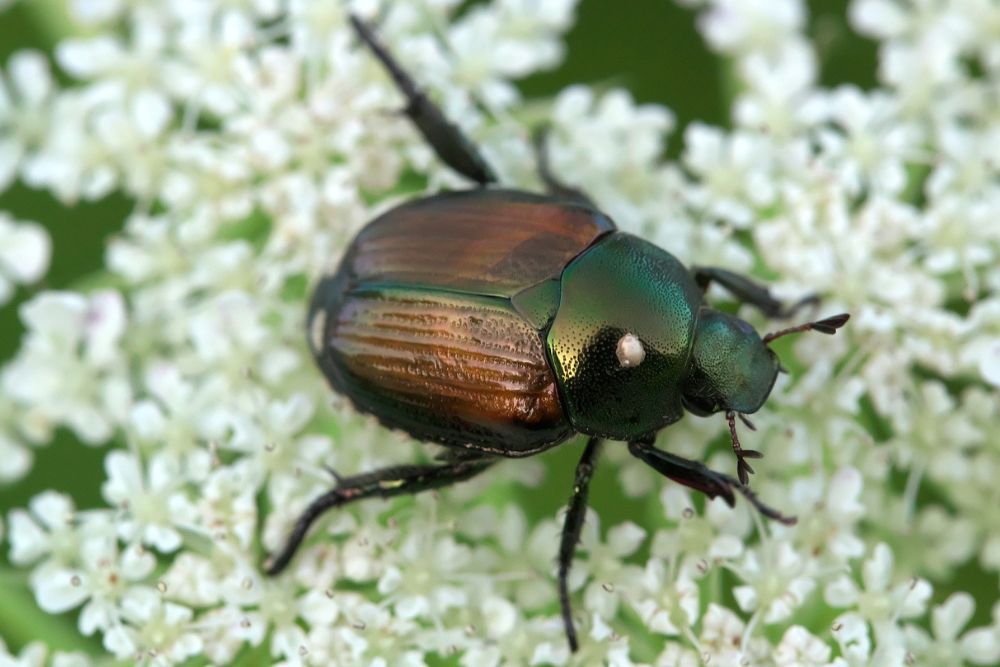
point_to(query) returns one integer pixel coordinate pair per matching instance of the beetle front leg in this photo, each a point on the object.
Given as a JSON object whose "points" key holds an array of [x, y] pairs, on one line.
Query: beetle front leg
{"points": [[700, 477], [571, 532], [447, 140], [383, 483], [749, 291]]}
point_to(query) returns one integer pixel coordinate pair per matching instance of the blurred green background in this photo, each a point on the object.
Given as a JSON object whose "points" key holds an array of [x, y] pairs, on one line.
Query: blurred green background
{"points": [[650, 47]]}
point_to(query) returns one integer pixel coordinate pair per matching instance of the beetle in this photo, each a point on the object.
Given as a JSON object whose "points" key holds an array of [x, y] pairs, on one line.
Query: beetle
{"points": [[501, 323]]}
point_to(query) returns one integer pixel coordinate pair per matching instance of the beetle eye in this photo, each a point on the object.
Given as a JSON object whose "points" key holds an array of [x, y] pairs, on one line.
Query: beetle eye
{"points": [[698, 406], [630, 351]]}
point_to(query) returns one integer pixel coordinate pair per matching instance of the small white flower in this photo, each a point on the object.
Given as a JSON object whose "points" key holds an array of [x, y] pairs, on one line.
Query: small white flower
{"points": [[52, 530], [799, 648], [851, 633], [880, 601], [699, 541], [152, 502], [25, 249], [870, 146], [780, 98], [949, 645], [831, 529], [101, 580], [609, 147], [610, 576], [667, 606], [734, 172], [227, 506], [26, 96], [676, 655], [156, 629], [37, 654], [69, 370], [751, 25], [423, 582], [777, 581], [721, 641]]}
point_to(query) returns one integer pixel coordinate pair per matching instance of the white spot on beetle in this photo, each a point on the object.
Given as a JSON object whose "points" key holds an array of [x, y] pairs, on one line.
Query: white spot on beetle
{"points": [[317, 330], [630, 351]]}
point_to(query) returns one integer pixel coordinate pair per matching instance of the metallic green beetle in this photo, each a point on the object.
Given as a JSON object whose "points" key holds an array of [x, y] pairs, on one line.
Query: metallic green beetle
{"points": [[501, 323]]}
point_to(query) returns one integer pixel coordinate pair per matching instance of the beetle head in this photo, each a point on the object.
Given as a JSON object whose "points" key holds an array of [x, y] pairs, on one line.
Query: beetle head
{"points": [[731, 368]]}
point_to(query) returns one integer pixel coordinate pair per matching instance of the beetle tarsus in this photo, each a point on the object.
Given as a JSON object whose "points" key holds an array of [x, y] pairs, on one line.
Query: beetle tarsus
{"points": [[701, 478], [743, 469], [447, 140], [572, 526]]}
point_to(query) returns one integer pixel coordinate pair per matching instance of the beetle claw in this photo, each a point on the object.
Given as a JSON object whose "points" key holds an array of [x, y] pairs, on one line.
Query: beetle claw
{"points": [[333, 473], [743, 469]]}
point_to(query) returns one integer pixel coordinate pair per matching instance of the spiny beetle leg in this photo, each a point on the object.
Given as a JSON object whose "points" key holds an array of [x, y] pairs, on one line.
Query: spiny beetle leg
{"points": [[383, 483], [743, 469], [571, 532], [553, 185], [447, 140], [749, 291], [698, 476]]}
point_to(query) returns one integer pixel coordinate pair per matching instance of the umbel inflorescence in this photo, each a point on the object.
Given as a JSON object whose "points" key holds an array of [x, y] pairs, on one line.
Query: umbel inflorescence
{"points": [[255, 138]]}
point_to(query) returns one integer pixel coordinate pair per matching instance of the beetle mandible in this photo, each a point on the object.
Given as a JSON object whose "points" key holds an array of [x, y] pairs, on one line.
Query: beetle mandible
{"points": [[501, 323]]}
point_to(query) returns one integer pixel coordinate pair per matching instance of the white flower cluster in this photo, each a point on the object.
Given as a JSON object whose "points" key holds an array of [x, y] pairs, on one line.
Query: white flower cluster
{"points": [[256, 137]]}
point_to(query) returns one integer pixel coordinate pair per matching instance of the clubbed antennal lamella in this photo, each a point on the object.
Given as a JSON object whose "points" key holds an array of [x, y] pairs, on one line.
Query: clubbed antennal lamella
{"points": [[827, 326]]}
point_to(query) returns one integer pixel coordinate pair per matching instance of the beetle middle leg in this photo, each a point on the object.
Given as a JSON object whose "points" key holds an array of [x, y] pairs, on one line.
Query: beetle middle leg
{"points": [[447, 140], [749, 291], [383, 483], [700, 477], [572, 526]]}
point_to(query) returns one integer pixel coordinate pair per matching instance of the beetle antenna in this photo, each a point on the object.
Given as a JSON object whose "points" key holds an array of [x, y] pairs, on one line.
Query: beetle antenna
{"points": [[743, 469], [827, 326]]}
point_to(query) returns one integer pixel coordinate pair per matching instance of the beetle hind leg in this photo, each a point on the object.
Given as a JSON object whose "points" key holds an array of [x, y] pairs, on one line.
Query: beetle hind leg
{"points": [[700, 477], [447, 140], [572, 526], [383, 483]]}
